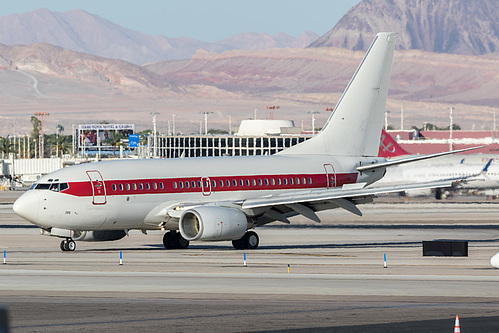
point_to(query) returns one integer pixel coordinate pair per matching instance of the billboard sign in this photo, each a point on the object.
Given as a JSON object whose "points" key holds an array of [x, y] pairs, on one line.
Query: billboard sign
{"points": [[101, 135]]}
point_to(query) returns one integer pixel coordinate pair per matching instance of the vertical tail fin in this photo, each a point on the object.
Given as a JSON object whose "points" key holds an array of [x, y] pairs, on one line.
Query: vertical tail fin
{"points": [[388, 147], [354, 127]]}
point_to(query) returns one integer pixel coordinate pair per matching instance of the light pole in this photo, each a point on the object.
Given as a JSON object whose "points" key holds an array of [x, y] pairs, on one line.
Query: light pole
{"points": [[155, 151], [313, 113], [386, 119], [41, 115], [206, 113], [450, 128], [272, 108], [173, 125]]}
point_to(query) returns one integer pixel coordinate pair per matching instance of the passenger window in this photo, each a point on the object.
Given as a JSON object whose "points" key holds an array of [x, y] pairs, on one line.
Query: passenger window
{"points": [[278, 181], [259, 182], [141, 186], [134, 186], [303, 181], [148, 186], [290, 181], [114, 187], [297, 181], [121, 187], [309, 180], [213, 184], [253, 181], [285, 181], [227, 182], [161, 186], [128, 187], [241, 182], [193, 184], [199, 183], [154, 186], [247, 182], [272, 181], [181, 184], [174, 184], [186, 184], [266, 182], [221, 183], [234, 182]]}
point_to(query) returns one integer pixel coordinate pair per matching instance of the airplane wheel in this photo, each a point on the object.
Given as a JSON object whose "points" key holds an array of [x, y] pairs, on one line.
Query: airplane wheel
{"points": [[71, 245], [250, 240], [64, 245], [238, 244], [168, 240], [180, 242]]}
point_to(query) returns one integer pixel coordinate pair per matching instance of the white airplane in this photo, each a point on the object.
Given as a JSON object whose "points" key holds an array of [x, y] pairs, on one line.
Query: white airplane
{"points": [[476, 171], [221, 198]]}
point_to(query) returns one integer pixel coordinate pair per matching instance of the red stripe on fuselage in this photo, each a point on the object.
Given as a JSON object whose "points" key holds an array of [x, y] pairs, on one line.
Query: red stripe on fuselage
{"points": [[178, 185]]}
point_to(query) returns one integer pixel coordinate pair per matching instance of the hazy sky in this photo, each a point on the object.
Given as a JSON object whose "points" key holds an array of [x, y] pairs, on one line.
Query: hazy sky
{"points": [[203, 20]]}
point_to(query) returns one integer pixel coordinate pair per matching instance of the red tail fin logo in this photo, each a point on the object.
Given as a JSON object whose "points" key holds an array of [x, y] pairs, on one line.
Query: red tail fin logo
{"points": [[388, 147]]}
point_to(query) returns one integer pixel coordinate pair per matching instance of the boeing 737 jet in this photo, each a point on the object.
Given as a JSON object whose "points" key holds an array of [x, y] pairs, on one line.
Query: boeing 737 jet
{"points": [[222, 198]]}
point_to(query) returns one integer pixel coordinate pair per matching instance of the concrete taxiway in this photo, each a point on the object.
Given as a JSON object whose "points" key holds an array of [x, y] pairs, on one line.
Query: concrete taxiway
{"points": [[336, 279]]}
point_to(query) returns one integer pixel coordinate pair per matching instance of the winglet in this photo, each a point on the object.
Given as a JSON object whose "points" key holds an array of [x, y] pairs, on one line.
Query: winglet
{"points": [[486, 168]]}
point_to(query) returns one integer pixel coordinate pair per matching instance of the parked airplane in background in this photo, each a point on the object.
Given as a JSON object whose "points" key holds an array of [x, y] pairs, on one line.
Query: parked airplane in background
{"points": [[476, 170], [221, 198]]}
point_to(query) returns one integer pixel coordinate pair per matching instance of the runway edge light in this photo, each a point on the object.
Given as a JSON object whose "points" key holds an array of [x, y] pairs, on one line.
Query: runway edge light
{"points": [[494, 261]]}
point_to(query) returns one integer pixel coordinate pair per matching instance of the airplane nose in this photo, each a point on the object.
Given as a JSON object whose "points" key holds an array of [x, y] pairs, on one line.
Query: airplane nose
{"points": [[27, 205]]}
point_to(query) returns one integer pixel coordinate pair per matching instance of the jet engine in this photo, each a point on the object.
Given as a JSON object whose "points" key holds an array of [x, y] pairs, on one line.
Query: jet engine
{"points": [[86, 236], [212, 223]]}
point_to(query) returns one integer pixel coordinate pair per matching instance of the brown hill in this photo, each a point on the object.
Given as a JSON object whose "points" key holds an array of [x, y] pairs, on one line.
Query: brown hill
{"points": [[78, 88], [416, 75], [450, 26], [81, 31]]}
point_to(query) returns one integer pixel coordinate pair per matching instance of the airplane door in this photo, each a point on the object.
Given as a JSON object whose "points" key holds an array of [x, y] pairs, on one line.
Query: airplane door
{"points": [[330, 176], [98, 187], [205, 186]]}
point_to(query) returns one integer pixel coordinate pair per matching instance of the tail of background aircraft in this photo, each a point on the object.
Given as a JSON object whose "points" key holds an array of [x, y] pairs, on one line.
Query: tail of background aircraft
{"points": [[354, 127], [388, 147]]}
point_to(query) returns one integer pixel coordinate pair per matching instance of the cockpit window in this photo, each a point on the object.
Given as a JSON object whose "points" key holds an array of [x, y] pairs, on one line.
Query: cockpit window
{"points": [[56, 187]]}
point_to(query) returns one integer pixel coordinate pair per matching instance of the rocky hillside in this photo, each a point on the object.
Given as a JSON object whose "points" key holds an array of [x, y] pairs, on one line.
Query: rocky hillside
{"points": [[450, 26], [81, 31]]}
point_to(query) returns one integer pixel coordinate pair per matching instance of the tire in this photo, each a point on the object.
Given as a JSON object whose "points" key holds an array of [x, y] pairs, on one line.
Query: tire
{"points": [[238, 244], [63, 245], [168, 240], [180, 242], [71, 245], [251, 240]]}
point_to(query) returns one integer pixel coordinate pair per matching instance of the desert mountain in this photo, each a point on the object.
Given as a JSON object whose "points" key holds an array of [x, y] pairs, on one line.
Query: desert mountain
{"points": [[81, 31], [450, 26]]}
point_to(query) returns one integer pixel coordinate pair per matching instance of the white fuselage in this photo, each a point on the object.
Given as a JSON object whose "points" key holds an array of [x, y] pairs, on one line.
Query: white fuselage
{"points": [[136, 194]]}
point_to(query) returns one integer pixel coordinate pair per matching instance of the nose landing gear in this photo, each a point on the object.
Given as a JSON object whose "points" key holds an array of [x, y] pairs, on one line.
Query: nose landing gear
{"points": [[68, 245]]}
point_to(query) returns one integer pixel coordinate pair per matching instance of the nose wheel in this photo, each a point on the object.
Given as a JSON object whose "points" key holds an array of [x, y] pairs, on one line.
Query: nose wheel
{"points": [[68, 245]]}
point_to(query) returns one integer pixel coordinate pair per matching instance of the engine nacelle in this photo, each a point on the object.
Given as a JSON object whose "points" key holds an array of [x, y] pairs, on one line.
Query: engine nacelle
{"points": [[86, 236], [212, 223]]}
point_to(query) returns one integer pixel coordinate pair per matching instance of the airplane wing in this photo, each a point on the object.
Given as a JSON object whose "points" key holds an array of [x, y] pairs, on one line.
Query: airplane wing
{"points": [[345, 192], [307, 202], [373, 166]]}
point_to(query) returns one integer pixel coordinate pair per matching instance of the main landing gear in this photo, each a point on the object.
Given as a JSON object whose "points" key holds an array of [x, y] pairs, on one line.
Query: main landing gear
{"points": [[68, 245], [174, 240], [249, 241]]}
